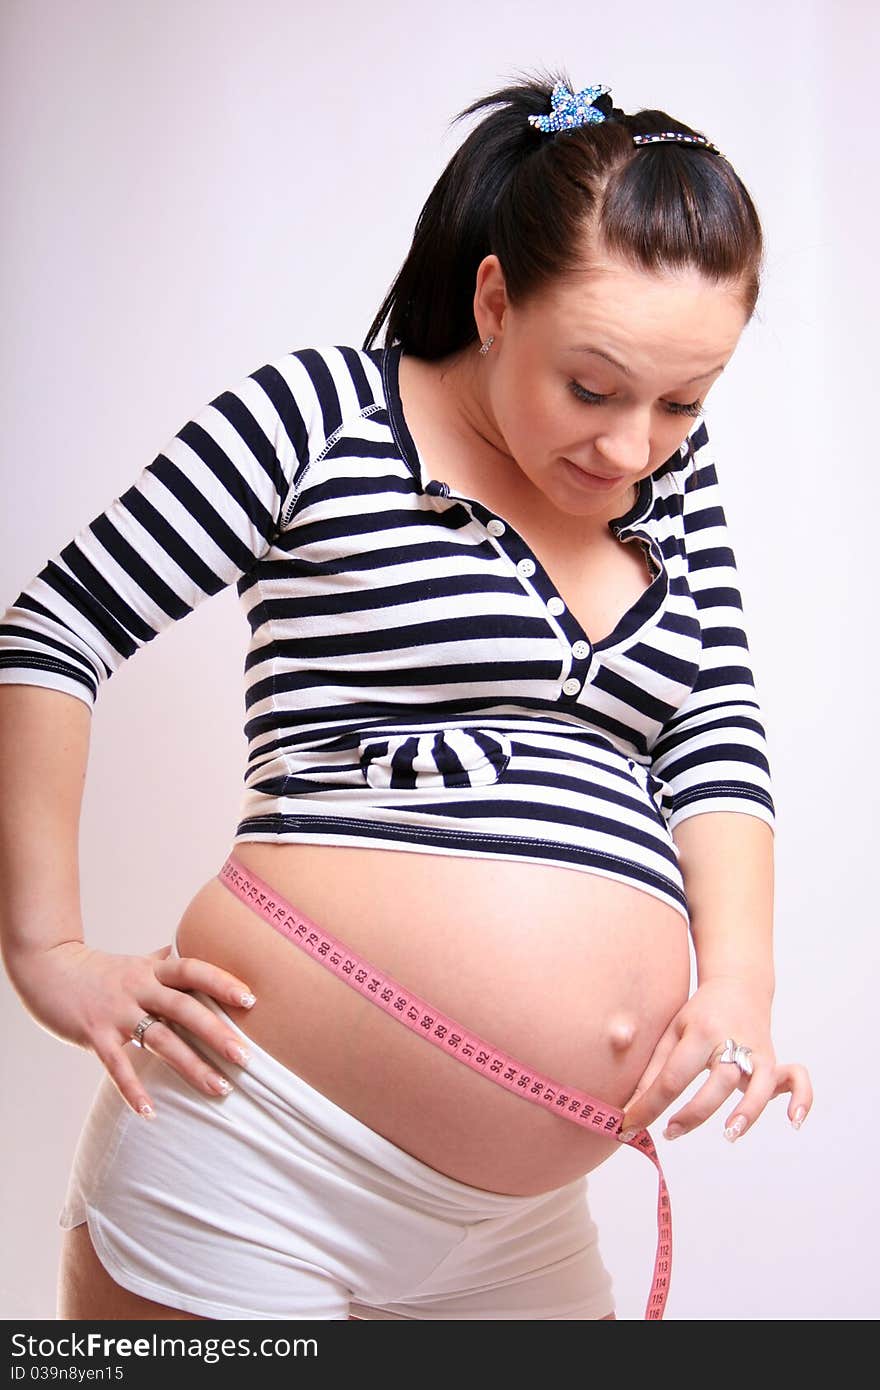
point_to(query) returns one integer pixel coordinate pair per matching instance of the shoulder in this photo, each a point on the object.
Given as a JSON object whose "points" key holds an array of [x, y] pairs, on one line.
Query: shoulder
{"points": [[314, 390], [337, 375]]}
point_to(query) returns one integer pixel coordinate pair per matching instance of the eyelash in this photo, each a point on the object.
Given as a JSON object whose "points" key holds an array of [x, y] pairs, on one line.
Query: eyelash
{"points": [[673, 407]]}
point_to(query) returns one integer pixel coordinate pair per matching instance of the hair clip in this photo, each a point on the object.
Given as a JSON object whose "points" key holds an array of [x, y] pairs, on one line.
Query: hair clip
{"points": [[680, 136], [568, 109]]}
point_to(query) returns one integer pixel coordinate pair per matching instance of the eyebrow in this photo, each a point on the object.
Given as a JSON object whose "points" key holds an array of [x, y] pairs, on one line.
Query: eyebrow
{"points": [[626, 371]]}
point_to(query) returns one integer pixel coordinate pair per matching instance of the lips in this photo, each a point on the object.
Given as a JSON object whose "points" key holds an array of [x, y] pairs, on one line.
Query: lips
{"points": [[598, 478]]}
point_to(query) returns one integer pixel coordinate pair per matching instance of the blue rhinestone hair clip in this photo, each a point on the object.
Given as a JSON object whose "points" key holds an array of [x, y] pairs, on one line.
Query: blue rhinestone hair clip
{"points": [[570, 109]]}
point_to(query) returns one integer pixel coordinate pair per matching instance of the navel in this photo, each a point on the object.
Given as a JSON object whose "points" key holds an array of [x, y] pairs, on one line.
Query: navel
{"points": [[622, 1032]]}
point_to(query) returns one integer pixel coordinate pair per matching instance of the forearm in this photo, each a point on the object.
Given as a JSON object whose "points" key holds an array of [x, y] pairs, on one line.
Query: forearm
{"points": [[44, 745], [726, 859]]}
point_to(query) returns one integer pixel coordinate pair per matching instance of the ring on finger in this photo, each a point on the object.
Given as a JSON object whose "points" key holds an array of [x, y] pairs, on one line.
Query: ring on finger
{"points": [[735, 1052], [146, 1022]]}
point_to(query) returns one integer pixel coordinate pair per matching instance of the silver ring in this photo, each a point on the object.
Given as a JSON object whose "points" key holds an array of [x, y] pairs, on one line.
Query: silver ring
{"points": [[137, 1036], [738, 1053]]}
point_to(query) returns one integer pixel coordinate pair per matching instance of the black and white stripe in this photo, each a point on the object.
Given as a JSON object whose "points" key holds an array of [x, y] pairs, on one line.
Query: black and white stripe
{"points": [[414, 680]]}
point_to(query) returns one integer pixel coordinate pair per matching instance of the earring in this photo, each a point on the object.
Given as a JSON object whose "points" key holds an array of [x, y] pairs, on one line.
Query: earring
{"points": [[486, 346]]}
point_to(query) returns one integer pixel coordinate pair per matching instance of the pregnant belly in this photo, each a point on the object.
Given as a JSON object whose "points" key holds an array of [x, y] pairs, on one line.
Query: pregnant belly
{"points": [[571, 973]]}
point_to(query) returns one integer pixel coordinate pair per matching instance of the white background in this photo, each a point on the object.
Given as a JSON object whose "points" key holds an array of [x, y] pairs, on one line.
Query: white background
{"points": [[191, 190]]}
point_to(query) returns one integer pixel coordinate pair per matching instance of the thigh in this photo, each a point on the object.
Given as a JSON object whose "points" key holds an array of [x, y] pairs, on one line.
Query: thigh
{"points": [[87, 1293]]}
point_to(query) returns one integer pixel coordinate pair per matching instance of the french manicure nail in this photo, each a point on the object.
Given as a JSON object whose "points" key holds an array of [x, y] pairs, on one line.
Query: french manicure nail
{"points": [[147, 1111], [735, 1130], [798, 1118], [247, 1001], [626, 1134], [235, 1053], [220, 1084], [673, 1131]]}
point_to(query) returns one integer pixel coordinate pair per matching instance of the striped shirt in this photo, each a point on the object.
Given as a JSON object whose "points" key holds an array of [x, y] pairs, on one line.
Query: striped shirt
{"points": [[413, 678]]}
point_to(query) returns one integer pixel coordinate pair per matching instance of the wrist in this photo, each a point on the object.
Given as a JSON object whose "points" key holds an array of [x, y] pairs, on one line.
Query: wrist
{"points": [[17, 954], [758, 980]]}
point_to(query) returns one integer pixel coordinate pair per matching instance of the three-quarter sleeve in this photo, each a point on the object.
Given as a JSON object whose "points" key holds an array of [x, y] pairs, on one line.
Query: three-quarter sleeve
{"points": [[195, 520], [713, 752]]}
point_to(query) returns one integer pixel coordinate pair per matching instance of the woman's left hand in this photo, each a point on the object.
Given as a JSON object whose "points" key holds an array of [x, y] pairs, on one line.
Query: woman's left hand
{"points": [[721, 1007]]}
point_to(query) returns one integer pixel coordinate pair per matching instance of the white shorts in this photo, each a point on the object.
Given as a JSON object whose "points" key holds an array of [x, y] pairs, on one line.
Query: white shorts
{"points": [[273, 1202]]}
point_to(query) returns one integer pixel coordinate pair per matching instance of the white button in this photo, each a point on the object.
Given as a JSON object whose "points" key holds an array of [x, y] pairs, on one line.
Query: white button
{"points": [[571, 686], [555, 605], [495, 527], [580, 649], [526, 567]]}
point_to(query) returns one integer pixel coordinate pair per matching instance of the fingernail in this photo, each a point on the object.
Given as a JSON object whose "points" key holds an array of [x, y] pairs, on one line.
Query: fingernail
{"points": [[235, 1053], [220, 1084], [147, 1111], [798, 1118], [626, 1134], [735, 1130], [247, 1001], [673, 1131]]}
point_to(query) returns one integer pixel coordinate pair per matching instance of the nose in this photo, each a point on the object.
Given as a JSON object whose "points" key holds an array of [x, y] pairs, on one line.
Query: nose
{"points": [[625, 448]]}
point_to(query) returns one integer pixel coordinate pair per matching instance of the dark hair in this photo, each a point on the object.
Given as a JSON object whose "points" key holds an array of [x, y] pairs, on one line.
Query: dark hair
{"points": [[543, 204]]}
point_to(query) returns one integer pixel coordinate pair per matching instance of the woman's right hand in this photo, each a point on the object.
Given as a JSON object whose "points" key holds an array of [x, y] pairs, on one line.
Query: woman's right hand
{"points": [[95, 1000]]}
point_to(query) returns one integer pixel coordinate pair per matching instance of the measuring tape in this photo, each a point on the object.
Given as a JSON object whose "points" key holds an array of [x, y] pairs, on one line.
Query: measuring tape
{"points": [[459, 1042]]}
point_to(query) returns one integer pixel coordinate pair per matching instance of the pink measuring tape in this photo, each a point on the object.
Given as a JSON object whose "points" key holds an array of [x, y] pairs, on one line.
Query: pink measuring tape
{"points": [[458, 1042]]}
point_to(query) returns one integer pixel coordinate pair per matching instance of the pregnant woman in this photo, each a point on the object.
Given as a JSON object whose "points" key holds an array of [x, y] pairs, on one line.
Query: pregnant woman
{"points": [[505, 751]]}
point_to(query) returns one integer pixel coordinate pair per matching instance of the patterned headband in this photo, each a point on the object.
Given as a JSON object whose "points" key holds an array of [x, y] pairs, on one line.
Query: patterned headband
{"points": [[569, 109]]}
